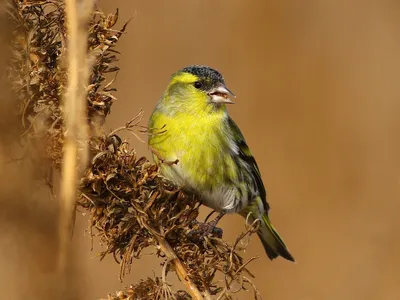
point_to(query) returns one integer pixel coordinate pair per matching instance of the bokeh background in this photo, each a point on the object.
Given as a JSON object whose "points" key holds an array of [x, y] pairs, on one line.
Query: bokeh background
{"points": [[318, 90]]}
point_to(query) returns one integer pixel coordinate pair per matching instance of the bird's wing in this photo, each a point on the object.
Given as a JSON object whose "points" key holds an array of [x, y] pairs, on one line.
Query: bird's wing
{"points": [[247, 157]]}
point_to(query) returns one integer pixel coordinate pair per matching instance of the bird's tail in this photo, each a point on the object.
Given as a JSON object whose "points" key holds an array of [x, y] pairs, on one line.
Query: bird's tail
{"points": [[272, 242]]}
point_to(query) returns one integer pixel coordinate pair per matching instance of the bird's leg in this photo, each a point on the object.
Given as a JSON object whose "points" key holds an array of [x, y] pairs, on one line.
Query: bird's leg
{"points": [[203, 229], [217, 219], [208, 216], [161, 159]]}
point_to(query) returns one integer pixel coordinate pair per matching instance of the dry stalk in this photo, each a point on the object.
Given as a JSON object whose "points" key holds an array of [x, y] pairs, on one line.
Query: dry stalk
{"points": [[131, 206], [180, 269], [75, 125]]}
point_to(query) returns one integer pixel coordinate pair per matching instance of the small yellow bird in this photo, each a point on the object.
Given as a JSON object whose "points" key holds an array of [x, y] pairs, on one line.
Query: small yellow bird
{"points": [[190, 124]]}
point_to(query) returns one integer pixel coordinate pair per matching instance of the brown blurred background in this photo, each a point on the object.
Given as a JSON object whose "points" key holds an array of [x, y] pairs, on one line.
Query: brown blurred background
{"points": [[317, 85]]}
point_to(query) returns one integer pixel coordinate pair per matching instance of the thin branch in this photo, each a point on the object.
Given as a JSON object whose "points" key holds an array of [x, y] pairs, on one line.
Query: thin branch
{"points": [[180, 269]]}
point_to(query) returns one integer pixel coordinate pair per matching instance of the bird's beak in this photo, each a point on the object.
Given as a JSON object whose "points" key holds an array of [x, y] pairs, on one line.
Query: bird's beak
{"points": [[221, 94]]}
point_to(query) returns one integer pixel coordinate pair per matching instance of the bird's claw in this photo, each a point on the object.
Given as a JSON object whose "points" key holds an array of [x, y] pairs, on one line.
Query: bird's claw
{"points": [[201, 230]]}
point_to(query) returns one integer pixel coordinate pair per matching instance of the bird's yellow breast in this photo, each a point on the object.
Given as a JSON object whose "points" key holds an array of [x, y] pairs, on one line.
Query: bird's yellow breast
{"points": [[199, 142]]}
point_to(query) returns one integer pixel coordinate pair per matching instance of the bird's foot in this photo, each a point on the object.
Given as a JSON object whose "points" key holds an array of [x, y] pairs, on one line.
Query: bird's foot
{"points": [[201, 230]]}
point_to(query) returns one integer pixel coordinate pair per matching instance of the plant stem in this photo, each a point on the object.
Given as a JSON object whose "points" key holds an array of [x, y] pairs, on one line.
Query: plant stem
{"points": [[180, 269], [75, 127]]}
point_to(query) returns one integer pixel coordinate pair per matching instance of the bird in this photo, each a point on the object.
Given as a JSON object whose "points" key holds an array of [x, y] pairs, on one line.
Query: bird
{"points": [[201, 149]]}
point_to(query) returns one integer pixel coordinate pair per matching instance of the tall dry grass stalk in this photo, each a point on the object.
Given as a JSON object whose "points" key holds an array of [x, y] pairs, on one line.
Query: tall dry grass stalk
{"points": [[75, 152], [62, 54]]}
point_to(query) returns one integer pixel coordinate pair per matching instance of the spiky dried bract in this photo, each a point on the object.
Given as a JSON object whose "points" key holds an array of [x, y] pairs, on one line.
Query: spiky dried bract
{"points": [[132, 207]]}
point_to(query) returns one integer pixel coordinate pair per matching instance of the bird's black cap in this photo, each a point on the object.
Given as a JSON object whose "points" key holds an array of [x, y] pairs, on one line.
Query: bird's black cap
{"points": [[204, 72]]}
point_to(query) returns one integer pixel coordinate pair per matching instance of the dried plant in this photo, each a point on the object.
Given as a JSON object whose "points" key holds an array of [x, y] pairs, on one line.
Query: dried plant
{"points": [[132, 207], [149, 289]]}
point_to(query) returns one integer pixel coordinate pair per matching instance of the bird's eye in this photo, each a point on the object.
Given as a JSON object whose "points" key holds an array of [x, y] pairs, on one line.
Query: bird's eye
{"points": [[198, 84]]}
